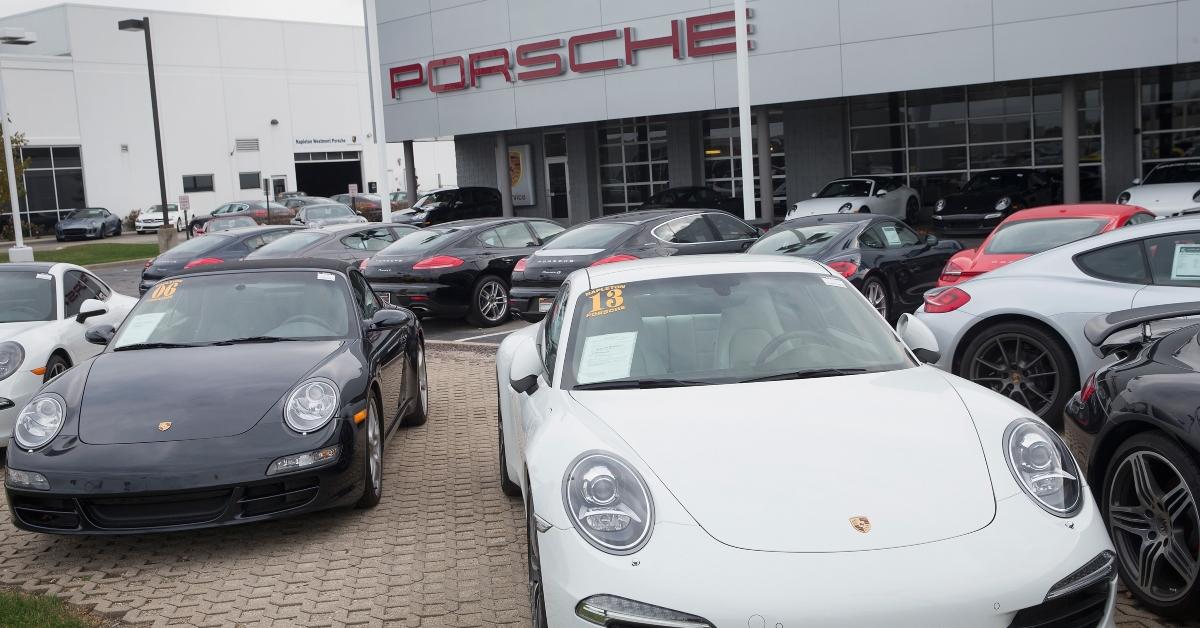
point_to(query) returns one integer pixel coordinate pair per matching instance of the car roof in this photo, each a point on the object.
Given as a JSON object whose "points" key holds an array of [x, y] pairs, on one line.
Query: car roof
{"points": [[819, 219], [1082, 210], [472, 223], [284, 263], [350, 227], [245, 231], [28, 267], [691, 265], [643, 216]]}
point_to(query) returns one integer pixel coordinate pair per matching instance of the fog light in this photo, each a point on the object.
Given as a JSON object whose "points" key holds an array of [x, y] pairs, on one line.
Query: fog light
{"points": [[305, 460], [26, 479], [604, 610], [1102, 567]]}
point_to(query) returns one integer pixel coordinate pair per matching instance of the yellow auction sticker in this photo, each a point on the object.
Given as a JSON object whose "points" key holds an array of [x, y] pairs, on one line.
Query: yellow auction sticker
{"points": [[164, 290], [606, 300]]}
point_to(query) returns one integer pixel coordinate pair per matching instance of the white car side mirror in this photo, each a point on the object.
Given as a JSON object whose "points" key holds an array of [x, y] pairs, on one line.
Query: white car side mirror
{"points": [[813, 195], [881, 192], [918, 337], [1137, 181], [90, 308], [525, 368]]}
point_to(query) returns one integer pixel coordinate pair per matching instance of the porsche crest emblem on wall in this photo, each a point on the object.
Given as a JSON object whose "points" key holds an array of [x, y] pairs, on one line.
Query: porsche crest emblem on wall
{"points": [[860, 523], [515, 165], [164, 426]]}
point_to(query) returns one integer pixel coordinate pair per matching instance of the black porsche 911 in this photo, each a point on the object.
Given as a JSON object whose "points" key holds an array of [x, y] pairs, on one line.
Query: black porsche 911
{"points": [[884, 258], [279, 382], [990, 197], [1134, 423], [458, 269]]}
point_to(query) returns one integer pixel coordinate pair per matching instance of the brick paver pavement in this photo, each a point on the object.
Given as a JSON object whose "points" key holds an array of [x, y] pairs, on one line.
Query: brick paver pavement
{"points": [[443, 548]]}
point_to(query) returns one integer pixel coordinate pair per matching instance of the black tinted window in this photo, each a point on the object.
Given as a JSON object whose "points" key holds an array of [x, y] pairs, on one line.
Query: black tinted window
{"points": [[508, 236], [1175, 259], [730, 228], [78, 288], [686, 230], [1121, 262]]}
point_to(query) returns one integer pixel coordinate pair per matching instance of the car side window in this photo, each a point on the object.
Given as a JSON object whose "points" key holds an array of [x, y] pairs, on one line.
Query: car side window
{"points": [[896, 235], [545, 230], [730, 228], [371, 240], [100, 288], [871, 239], [364, 296], [1138, 219], [76, 290], [1174, 259], [552, 330], [510, 236], [1123, 262], [687, 230]]}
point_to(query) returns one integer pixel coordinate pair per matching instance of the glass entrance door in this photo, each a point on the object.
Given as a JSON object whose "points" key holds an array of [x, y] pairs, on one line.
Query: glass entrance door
{"points": [[557, 188]]}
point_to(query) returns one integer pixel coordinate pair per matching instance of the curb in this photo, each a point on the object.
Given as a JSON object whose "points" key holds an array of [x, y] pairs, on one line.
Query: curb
{"points": [[118, 263]]}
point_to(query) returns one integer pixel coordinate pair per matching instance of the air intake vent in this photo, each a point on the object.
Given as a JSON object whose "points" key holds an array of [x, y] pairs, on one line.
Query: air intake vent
{"points": [[250, 145]]}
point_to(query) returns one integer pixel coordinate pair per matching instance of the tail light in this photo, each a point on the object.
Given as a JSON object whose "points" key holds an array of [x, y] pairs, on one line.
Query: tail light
{"points": [[948, 300], [149, 262], [844, 268], [1089, 388], [952, 272], [203, 261], [520, 267], [438, 261], [614, 258], [259, 213], [363, 264]]}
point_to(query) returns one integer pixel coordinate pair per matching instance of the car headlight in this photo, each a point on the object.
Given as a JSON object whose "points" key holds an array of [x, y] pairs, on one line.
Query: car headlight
{"points": [[1124, 197], [1003, 204], [609, 503], [845, 209], [941, 204], [40, 421], [1042, 465], [310, 405], [11, 356]]}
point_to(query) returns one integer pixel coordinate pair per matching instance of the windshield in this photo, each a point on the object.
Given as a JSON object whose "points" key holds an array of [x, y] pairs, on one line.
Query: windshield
{"points": [[1034, 236], [1186, 172], [435, 198], [86, 213], [28, 296], [800, 240], [196, 246], [322, 212], [289, 243], [996, 182], [847, 187], [594, 236], [420, 240], [205, 309], [171, 207], [733, 327]]}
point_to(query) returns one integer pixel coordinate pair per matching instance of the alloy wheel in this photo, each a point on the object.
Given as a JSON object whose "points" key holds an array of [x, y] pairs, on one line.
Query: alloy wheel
{"points": [[876, 296], [1019, 368], [375, 449], [422, 380], [56, 369], [1155, 525], [493, 301]]}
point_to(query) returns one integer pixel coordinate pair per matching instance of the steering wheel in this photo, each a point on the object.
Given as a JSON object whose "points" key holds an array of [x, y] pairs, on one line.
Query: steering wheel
{"points": [[304, 318], [779, 340]]}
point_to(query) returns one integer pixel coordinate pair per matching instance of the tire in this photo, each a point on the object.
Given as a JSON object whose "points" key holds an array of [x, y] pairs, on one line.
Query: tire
{"points": [[864, 210], [507, 486], [55, 366], [1174, 485], [120, 228], [373, 461], [537, 594], [912, 211], [101, 232], [489, 302], [60, 238], [420, 413], [1041, 375], [178, 226], [876, 293]]}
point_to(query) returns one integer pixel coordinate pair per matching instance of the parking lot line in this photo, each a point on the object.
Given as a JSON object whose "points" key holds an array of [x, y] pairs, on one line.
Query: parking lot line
{"points": [[497, 333]]}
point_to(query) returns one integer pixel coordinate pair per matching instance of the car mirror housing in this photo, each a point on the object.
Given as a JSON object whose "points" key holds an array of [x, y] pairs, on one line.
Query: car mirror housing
{"points": [[100, 334], [931, 240], [389, 319], [1137, 181], [880, 192], [918, 337], [525, 369], [90, 308]]}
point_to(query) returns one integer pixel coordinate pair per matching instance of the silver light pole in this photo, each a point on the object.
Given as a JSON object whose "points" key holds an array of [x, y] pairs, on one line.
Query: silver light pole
{"points": [[18, 252], [743, 91], [166, 233]]}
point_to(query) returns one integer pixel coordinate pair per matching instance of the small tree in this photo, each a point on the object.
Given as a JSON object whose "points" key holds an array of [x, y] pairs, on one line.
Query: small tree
{"points": [[18, 140]]}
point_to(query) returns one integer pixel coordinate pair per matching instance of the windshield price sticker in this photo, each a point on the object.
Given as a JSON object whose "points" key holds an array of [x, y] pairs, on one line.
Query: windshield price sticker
{"points": [[832, 281], [325, 276], [164, 291], [140, 327], [889, 234], [606, 300], [606, 357], [1186, 265], [44, 276]]}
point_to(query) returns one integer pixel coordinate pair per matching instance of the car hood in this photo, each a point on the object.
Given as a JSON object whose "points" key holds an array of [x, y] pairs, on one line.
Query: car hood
{"points": [[815, 206], [204, 392], [1152, 196], [972, 203], [784, 466], [78, 222], [10, 331]]}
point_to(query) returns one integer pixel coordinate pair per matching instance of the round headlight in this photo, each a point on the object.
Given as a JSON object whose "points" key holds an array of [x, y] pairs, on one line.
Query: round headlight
{"points": [[1123, 198], [941, 204], [609, 503], [11, 356], [845, 209], [39, 421], [1003, 204], [1042, 465], [310, 406]]}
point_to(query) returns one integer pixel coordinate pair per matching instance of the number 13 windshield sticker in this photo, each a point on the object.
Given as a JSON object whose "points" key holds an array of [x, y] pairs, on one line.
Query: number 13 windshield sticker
{"points": [[606, 300]]}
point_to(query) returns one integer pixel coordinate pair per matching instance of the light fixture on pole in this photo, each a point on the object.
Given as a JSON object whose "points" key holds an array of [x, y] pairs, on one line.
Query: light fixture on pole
{"points": [[18, 252], [166, 233]]}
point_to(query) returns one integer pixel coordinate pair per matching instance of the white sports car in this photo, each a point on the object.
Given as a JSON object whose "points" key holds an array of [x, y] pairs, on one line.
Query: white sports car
{"points": [[1171, 189], [876, 195], [44, 311], [150, 219], [742, 440], [1019, 329]]}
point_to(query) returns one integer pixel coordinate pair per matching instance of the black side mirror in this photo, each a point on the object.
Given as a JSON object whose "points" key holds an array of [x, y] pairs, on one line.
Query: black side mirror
{"points": [[389, 319], [527, 384], [931, 240], [90, 308], [927, 356], [100, 334]]}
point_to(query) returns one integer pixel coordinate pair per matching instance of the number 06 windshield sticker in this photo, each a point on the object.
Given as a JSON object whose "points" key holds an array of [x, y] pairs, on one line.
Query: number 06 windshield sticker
{"points": [[606, 300], [164, 290]]}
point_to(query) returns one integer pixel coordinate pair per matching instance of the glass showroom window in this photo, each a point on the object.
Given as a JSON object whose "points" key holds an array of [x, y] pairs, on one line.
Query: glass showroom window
{"points": [[53, 181], [633, 163], [935, 139], [723, 154], [1170, 98]]}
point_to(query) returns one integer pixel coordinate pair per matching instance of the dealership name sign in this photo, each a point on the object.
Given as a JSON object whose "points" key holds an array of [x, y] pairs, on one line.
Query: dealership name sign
{"points": [[697, 36]]}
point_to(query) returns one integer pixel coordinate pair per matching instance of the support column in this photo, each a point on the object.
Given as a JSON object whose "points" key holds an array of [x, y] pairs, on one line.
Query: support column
{"points": [[503, 178], [1070, 141], [1121, 121], [410, 173], [766, 185]]}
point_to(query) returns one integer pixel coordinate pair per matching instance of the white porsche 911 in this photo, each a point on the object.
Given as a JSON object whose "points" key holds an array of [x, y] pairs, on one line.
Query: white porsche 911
{"points": [[44, 311], [731, 441], [874, 195]]}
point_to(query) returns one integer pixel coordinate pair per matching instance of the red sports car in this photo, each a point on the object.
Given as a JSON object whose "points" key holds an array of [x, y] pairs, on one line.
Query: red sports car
{"points": [[1032, 231]]}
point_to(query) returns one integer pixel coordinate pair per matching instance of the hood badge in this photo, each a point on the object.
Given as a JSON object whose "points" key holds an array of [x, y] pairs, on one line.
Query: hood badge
{"points": [[860, 523], [166, 425]]}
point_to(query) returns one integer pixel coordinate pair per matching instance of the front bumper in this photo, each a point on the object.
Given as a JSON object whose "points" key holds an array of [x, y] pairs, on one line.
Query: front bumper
{"points": [[426, 299], [77, 232], [982, 579], [967, 223], [948, 328]]}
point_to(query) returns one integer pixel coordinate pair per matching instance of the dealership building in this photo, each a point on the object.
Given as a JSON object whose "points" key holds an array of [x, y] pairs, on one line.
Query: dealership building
{"points": [[240, 100], [591, 106]]}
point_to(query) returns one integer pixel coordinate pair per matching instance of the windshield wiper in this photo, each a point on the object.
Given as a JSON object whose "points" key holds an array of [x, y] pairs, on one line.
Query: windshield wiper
{"points": [[804, 374], [251, 339], [620, 384], [156, 345]]}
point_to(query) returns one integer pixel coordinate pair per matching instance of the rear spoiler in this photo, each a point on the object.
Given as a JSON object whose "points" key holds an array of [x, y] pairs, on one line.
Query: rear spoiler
{"points": [[1098, 329]]}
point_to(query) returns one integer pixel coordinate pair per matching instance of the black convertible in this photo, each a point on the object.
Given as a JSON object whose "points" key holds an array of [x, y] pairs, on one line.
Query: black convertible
{"points": [[275, 385], [884, 258], [1134, 422]]}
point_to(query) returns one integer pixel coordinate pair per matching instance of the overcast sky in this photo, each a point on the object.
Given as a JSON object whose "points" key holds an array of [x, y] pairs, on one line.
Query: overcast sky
{"points": [[329, 11]]}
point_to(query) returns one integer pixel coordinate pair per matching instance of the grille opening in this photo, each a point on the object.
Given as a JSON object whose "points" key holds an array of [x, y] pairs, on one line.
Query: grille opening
{"points": [[265, 499], [156, 510], [1082, 609], [46, 512]]}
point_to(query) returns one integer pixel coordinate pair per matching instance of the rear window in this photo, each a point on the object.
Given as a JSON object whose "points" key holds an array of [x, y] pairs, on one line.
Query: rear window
{"points": [[421, 240], [1034, 236], [799, 240], [197, 246], [594, 236], [292, 242]]}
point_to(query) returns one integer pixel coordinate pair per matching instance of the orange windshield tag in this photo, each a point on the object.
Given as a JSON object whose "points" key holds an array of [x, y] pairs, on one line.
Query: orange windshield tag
{"points": [[606, 300], [164, 290]]}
